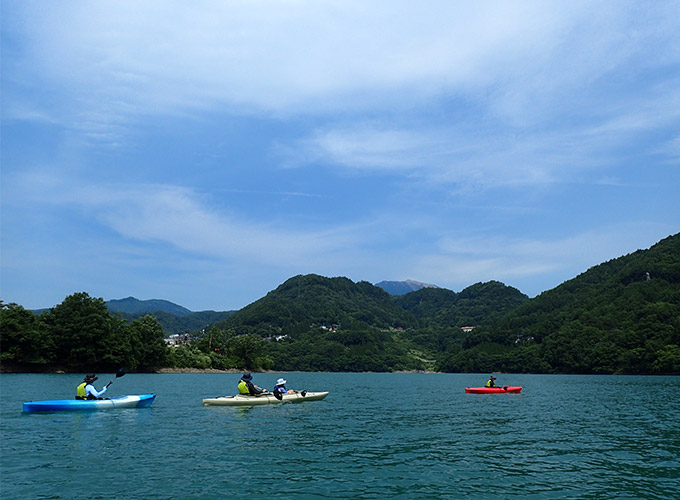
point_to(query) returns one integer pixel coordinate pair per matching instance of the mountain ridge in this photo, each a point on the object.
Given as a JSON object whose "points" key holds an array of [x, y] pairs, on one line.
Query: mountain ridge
{"points": [[621, 316], [403, 287], [132, 305]]}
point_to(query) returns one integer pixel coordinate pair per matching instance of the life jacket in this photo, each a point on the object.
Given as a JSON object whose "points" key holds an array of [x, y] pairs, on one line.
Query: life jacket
{"points": [[80, 391], [490, 384], [243, 387]]}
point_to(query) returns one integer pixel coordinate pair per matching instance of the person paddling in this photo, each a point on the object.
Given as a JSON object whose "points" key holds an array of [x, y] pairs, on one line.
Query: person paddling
{"points": [[87, 391], [246, 386], [491, 382]]}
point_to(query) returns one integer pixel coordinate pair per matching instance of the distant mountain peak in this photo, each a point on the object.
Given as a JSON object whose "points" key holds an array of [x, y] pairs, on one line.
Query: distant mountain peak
{"points": [[403, 287], [131, 305]]}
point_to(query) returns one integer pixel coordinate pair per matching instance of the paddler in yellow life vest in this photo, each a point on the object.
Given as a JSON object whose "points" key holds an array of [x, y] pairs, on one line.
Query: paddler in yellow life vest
{"points": [[246, 386], [87, 391], [491, 382]]}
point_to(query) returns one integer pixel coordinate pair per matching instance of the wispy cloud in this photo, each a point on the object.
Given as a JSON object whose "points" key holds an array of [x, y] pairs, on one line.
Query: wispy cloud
{"points": [[459, 157], [180, 217], [136, 127], [467, 259], [166, 57]]}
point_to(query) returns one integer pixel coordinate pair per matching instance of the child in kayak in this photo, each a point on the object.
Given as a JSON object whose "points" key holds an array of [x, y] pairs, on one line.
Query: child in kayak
{"points": [[280, 390], [281, 387], [491, 382]]}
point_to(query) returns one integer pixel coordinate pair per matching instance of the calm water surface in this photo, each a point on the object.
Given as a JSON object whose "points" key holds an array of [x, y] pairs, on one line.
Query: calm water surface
{"points": [[374, 436]]}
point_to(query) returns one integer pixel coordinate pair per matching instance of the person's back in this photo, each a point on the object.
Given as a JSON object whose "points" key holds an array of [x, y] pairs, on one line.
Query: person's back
{"points": [[80, 391], [246, 386], [243, 387]]}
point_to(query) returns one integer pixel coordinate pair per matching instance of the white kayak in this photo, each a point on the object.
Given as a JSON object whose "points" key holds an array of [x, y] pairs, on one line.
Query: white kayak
{"points": [[264, 399]]}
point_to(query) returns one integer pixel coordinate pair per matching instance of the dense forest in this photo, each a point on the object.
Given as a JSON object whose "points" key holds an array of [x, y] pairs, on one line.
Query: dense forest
{"points": [[79, 334], [175, 324], [622, 316]]}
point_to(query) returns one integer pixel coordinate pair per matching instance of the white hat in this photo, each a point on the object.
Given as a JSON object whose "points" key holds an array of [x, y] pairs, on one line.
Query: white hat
{"points": [[280, 381]]}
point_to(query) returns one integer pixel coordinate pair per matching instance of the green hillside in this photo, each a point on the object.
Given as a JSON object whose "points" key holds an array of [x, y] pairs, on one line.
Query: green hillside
{"points": [[477, 305], [622, 316], [311, 301], [317, 323], [172, 324], [131, 305]]}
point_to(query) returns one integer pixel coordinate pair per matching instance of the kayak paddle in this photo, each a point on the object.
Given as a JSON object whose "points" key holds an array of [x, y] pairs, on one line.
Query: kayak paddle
{"points": [[119, 373]]}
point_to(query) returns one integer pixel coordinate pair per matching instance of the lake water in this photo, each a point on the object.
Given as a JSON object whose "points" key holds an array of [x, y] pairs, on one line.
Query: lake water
{"points": [[374, 436]]}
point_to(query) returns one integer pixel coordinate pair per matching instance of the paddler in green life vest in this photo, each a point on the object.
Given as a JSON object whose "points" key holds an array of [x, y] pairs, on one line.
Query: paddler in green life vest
{"points": [[491, 382], [87, 391], [246, 386]]}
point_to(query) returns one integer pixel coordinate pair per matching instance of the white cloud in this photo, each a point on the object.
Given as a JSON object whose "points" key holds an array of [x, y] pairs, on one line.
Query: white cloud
{"points": [[180, 217], [517, 67], [365, 147], [464, 260], [671, 149], [441, 96], [451, 156], [166, 57]]}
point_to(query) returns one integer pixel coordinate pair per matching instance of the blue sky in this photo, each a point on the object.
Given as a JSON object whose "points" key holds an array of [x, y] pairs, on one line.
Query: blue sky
{"points": [[204, 152]]}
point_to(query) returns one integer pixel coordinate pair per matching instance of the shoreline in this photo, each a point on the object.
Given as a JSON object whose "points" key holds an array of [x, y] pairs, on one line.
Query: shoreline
{"points": [[195, 370], [232, 370], [161, 371]]}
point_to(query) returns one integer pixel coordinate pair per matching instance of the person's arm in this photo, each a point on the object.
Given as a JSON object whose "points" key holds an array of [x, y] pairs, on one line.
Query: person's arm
{"points": [[89, 389]]}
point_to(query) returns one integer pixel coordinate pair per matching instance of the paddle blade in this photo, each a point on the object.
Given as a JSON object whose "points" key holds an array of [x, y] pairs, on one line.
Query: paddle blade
{"points": [[120, 372], [304, 393], [278, 395]]}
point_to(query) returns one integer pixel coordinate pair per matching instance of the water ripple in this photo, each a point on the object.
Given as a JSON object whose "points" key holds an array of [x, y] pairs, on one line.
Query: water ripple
{"points": [[375, 436]]}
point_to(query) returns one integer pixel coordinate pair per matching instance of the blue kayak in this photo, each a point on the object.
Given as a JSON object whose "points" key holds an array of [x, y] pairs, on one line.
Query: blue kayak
{"points": [[137, 401]]}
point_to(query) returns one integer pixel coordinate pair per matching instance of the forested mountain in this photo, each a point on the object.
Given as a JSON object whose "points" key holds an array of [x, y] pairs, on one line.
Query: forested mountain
{"points": [[132, 305], [476, 305], [336, 324], [174, 318], [402, 287], [79, 334], [309, 301], [173, 324], [622, 316]]}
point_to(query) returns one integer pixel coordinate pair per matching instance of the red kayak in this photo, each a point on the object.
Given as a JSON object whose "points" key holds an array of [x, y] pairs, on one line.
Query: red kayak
{"points": [[492, 390]]}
